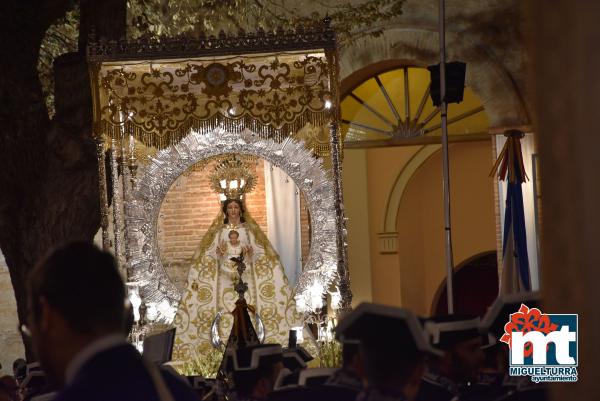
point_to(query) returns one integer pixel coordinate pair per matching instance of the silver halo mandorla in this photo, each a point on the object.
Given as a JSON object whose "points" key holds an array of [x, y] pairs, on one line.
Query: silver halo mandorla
{"points": [[154, 180]]}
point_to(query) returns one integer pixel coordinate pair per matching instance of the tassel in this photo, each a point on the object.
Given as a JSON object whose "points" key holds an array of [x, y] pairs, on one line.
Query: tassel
{"points": [[510, 159]]}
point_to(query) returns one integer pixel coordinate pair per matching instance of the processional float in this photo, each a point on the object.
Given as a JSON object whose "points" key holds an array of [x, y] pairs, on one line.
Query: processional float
{"points": [[268, 94]]}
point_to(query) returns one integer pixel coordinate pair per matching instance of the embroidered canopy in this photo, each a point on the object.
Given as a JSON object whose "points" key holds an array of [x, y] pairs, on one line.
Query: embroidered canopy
{"points": [[276, 84]]}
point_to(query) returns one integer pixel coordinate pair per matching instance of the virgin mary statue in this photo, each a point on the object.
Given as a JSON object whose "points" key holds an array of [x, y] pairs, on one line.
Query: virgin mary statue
{"points": [[210, 287]]}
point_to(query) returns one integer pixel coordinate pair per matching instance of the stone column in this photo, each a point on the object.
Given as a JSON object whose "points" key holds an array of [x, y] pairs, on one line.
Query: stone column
{"points": [[565, 35]]}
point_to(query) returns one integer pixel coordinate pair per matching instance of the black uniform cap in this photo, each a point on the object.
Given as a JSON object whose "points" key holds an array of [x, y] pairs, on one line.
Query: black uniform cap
{"points": [[499, 313], [253, 357], [296, 358], [384, 329], [446, 331], [305, 378]]}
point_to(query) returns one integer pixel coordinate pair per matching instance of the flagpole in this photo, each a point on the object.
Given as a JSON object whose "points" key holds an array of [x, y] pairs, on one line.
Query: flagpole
{"points": [[446, 167]]}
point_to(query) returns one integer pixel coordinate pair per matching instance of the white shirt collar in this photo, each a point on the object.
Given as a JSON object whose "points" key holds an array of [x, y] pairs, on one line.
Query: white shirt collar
{"points": [[89, 351]]}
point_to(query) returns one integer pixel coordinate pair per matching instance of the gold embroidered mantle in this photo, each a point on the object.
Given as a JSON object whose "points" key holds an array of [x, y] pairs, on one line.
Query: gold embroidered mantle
{"points": [[210, 289]]}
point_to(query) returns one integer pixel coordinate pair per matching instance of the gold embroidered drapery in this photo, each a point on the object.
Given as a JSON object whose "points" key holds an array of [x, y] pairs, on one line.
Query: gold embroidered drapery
{"points": [[159, 101]]}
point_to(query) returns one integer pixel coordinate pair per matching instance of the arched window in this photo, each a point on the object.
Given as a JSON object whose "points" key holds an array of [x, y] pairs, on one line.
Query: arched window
{"points": [[394, 108]]}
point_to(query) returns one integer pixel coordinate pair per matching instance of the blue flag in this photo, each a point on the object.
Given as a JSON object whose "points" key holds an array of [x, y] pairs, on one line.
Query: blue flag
{"points": [[515, 260]]}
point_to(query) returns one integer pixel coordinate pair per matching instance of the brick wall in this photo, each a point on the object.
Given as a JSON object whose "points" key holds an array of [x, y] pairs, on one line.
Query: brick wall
{"points": [[190, 207]]}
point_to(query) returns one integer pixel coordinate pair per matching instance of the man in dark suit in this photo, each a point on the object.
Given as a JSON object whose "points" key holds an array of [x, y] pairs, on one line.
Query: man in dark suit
{"points": [[76, 319]]}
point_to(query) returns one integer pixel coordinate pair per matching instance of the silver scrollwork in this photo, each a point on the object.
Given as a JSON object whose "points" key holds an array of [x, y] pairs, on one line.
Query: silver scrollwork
{"points": [[154, 180]]}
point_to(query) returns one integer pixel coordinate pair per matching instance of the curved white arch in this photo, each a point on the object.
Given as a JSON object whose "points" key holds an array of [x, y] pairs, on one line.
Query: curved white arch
{"points": [[395, 197]]}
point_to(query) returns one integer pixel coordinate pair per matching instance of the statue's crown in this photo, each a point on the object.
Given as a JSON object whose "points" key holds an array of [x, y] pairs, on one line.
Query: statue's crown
{"points": [[232, 178]]}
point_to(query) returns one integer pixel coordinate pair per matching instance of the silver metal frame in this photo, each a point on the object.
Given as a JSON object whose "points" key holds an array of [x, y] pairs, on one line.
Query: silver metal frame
{"points": [[154, 180]]}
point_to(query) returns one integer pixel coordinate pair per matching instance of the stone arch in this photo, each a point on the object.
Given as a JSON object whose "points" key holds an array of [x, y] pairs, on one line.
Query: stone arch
{"points": [[419, 46]]}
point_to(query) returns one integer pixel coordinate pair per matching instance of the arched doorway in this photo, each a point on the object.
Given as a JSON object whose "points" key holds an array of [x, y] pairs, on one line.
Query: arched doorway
{"points": [[475, 286]]}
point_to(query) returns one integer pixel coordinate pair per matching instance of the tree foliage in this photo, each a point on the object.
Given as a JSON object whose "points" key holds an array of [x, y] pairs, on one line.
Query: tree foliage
{"points": [[60, 38], [183, 17], [162, 18]]}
